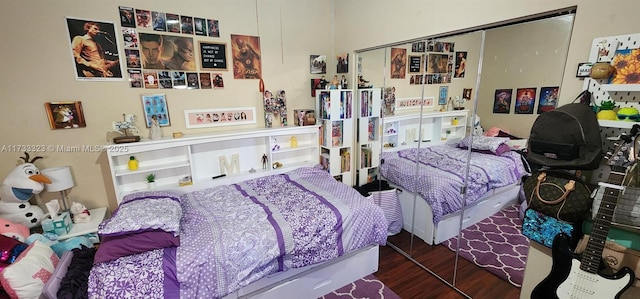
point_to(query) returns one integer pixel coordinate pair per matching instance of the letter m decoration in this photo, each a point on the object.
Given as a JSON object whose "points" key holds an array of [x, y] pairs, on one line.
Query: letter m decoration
{"points": [[229, 168]]}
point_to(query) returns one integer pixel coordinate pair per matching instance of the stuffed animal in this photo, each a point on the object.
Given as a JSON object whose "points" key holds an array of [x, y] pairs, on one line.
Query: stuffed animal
{"points": [[494, 131], [79, 213], [17, 188], [13, 230]]}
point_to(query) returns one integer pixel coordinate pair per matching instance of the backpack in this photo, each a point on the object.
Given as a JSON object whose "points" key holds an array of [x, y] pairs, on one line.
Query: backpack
{"points": [[567, 137]]}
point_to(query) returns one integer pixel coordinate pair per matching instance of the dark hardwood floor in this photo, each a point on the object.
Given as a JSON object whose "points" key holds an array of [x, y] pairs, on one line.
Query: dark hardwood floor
{"points": [[411, 281]]}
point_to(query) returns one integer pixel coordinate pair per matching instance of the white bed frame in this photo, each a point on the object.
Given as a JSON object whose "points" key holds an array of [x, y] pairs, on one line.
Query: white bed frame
{"points": [[449, 225], [315, 280]]}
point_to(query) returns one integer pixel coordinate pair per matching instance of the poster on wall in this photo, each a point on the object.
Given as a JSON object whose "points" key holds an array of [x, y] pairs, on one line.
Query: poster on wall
{"points": [[525, 100], [461, 64], [342, 65], [94, 50], [502, 101], [247, 62], [167, 52], [548, 99], [398, 63], [213, 55]]}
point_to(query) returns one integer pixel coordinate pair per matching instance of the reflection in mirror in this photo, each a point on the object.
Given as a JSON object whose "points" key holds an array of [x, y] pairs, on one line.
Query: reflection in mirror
{"points": [[528, 57], [437, 98]]}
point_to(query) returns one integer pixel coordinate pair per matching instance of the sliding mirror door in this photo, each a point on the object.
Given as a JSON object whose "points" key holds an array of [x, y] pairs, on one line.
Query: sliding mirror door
{"points": [[522, 71]]}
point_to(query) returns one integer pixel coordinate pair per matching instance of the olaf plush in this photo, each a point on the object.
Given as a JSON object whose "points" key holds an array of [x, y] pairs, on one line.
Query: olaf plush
{"points": [[17, 188]]}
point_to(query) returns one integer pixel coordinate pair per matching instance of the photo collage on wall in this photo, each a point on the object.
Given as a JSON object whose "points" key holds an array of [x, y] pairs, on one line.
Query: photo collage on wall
{"points": [[436, 66], [525, 100], [160, 49]]}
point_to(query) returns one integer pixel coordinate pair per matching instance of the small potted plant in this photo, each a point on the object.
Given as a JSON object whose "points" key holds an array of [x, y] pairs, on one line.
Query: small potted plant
{"points": [[151, 180]]}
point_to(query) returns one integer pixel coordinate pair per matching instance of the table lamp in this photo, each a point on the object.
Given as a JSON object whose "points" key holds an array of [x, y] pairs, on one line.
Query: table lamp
{"points": [[61, 180]]}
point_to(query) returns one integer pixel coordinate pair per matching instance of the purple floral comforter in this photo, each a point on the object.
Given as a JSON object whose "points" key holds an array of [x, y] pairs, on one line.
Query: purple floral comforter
{"points": [[442, 173], [233, 235]]}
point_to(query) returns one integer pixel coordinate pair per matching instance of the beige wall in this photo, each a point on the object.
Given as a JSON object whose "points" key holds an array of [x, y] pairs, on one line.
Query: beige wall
{"points": [[37, 64], [38, 68]]}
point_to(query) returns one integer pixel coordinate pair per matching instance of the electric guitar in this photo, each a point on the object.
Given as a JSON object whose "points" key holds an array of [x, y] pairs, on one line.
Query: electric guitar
{"points": [[578, 277]]}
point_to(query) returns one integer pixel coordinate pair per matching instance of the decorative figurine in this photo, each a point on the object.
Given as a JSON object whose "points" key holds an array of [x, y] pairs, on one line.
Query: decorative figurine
{"points": [[154, 130], [335, 82], [322, 84], [343, 82], [293, 142], [264, 161], [276, 146]]}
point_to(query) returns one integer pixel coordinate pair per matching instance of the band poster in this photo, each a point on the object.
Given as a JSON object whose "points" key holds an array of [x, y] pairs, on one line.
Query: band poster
{"points": [[94, 50]]}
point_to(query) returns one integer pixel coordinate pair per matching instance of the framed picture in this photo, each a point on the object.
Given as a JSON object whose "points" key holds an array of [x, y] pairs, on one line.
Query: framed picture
{"points": [[548, 99], [502, 101], [318, 64], [203, 118], [169, 59], [65, 115], [437, 63], [398, 63], [466, 94], [98, 37], [442, 97], [584, 69], [213, 56], [525, 100], [155, 105]]}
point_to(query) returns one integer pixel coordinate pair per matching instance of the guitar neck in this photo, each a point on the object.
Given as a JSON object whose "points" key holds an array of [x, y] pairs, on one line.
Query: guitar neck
{"points": [[590, 261]]}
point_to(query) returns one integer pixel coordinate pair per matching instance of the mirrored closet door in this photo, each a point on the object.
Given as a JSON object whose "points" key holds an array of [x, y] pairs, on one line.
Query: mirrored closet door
{"points": [[448, 83]]}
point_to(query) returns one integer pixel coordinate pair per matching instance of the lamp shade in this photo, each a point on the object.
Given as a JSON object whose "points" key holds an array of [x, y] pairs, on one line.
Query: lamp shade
{"points": [[60, 177]]}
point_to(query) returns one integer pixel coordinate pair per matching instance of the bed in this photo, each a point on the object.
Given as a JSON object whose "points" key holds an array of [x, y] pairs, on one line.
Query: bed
{"points": [[283, 235], [494, 182]]}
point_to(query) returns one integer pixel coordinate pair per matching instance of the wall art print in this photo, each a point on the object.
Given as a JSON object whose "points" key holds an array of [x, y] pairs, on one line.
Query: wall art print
{"points": [[502, 101], [94, 50], [247, 63], [525, 100]]}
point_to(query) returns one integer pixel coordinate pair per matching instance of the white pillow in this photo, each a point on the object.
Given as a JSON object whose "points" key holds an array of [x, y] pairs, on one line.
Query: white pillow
{"points": [[26, 277]]}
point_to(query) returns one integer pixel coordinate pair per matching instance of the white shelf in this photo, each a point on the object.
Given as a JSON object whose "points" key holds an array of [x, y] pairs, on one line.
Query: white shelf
{"points": [[204, 156], [125, 172], [616, 124], [620, 87]]}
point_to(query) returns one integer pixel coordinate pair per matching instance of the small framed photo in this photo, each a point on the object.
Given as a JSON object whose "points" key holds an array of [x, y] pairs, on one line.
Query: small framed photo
{"points": [[65, 115], [442, 98], [584, 69], [155, 105]]}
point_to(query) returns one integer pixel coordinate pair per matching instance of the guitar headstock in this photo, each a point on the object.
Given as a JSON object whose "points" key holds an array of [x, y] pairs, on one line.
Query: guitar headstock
{"points": [[626, 152]]}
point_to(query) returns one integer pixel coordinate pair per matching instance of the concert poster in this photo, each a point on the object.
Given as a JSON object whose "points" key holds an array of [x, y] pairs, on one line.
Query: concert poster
{"points": [[94, 50]]}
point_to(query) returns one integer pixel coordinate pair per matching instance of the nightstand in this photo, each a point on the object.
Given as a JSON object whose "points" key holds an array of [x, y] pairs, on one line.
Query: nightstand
{"points": [[89, 228]]}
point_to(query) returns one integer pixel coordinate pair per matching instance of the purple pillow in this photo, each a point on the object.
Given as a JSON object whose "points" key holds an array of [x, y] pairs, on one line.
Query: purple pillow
{"points": [[113, 247], [484, 144]]}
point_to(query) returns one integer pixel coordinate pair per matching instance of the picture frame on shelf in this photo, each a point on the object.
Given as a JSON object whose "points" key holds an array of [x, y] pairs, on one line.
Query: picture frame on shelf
{"points": [[203, 118], [155, 104], [442, 95], [584, 69], [65, 115]]}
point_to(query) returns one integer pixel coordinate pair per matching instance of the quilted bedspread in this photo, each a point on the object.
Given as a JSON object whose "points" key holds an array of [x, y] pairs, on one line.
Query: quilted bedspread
{"points": [[442, 173], [233, 235]]}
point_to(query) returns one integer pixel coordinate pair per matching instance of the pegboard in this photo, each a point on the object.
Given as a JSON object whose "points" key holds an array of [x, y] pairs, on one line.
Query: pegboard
{"points": [[624, 95]]}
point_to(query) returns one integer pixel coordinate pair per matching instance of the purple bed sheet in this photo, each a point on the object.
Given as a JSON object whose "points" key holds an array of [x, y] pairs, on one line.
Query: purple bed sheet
{"points": [[442, 173], [233, 235]]}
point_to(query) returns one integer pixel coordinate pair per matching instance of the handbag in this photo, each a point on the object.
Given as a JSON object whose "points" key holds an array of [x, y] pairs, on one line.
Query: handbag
{"points": [[542, 228], [558, 194]]}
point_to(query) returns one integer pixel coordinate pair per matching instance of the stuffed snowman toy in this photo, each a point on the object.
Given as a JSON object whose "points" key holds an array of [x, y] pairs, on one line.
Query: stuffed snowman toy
{"points": [[17, 188]]}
